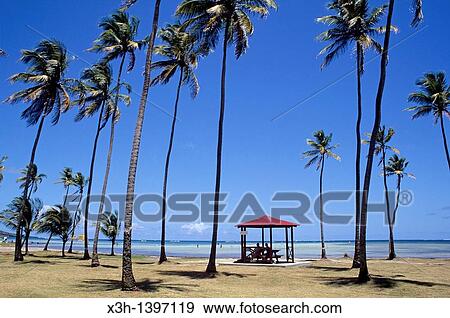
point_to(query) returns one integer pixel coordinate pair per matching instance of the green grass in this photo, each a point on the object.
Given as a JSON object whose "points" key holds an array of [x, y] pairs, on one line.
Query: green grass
{"points": [[46, 274]]}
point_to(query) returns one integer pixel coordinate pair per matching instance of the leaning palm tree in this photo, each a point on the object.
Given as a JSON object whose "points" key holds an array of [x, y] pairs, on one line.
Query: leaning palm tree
{"points": [[66, 178], [79, 181], [110, 227], [382, 146], [2, 167], [117, 41], [47, 95], [433, 98], [180, 55], [396, 167], [207, 19], [94, 96], [321, 149], [32, 178], [352, 24], [418, 16], [128, 281], [61, 220]]}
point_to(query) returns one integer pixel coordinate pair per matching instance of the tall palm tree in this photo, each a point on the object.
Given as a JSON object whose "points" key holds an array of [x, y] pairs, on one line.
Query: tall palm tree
{"points": [[321, 149], [66, 178], [352, 24], [79, 181], [180, 55], [364, 270], [433, 98], [110, 227], [381, 148], [47, 94], [396, 167], [61, 220], [117, 41], [95, 95], [128, 281], [2, 167], [207, 19]]}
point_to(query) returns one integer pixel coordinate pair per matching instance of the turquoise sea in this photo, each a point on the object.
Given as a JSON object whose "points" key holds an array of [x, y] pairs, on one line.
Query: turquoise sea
{"points": [[303, 249]]}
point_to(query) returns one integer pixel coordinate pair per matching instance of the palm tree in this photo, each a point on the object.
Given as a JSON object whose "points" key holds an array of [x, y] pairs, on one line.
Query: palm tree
{"points": [[32, 178], [207, 19], [110, 227], [95, 95], [433, 98], [396, 167], [46, 95], [128, 281], [117, 41], [321, 149], [62, 222], [352, 25], [2, 167], [179, 54], [79, 182], [66, 178], [381, 148], [364, 270], [2, 52]]}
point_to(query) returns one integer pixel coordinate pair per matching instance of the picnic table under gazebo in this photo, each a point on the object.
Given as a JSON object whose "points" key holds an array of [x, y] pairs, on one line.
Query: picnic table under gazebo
{"points": [[262, 253]]}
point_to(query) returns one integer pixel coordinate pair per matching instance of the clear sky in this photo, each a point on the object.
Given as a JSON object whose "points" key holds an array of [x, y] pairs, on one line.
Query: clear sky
{"points": [[263, 156]]}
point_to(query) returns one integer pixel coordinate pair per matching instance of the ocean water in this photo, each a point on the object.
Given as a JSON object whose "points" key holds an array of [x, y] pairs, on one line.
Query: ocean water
{"points": [[303, 250]]}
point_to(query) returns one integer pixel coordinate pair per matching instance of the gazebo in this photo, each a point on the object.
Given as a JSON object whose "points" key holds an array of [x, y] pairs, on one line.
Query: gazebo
{"points": [[266, 222]]}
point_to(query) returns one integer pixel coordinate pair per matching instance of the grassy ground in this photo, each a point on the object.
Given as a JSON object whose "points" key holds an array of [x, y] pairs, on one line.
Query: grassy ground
{"points": [[46, 274]]}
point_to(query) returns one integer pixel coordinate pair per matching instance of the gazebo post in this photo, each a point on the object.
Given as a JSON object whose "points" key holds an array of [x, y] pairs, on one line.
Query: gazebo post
{"points": [[242, 243], [245, 244], [292, 243], [287, 243], [271, 249], [262, 236]]}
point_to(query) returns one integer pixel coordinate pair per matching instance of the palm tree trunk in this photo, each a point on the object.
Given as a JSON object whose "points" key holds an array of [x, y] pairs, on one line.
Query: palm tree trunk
{"points": [[27, 238], [211, 268], [63, 248], [113, 242], [445, 140], [397, 200], [322, 240], [128, 281], [162, 254], [364, 270], [359, 67], [95, 261], [48, 242], [18, 257], [75, 225], [90, 180], [388, 209]]}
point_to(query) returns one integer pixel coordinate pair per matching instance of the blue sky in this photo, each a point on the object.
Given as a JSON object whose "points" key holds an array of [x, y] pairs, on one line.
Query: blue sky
{"points": [[263, 156]]}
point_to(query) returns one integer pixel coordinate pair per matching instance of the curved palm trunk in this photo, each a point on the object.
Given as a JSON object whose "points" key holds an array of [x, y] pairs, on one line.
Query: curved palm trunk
{"points": [[358, 158], [113, 242], [27, 238], [128, 281], [322, 240], [397, 200], [63, 248], [18, 248], [388, 210], [211, 268], [162, 254], [90, 180], [95, 261], [364, 270], [48, 242], [75, 225], [444, 137]]}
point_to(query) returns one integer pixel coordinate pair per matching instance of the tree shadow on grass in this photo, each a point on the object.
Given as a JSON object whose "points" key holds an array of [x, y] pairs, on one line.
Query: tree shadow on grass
{"points": [[331, 269], [146, 285], [37, 261], [101, 265], [201, 274]]}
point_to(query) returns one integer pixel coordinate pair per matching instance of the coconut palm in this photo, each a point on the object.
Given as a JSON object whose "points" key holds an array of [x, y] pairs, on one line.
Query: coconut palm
{"points": [[179, 55], [418, 16], [352, 25], [321, 149], [47, 95], [66, 178], [32, 178], [2, 52], [396, 166], [433, 98], [128, 281], [382, 146], [110, 227], [207, 19], [96, 94], [79, 181], [61, 220], [117, 41], [2, 167]]}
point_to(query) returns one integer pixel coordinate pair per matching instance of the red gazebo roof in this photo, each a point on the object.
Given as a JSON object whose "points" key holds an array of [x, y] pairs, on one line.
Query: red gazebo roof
{"points": [[267, 221]]}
